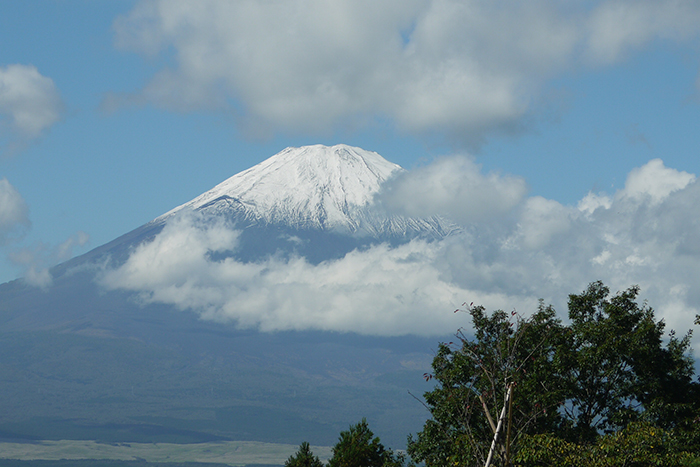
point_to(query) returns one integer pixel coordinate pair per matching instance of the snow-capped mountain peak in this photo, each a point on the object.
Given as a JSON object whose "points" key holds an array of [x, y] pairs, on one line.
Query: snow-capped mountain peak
{"points": [[317, 187]]}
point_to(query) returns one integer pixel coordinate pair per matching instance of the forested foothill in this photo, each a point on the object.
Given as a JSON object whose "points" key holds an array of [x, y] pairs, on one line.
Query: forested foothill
{"points": [[609, 388]]}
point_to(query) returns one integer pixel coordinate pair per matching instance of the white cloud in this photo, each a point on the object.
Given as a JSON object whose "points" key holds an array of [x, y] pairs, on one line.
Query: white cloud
{"points": [[456, 187], [537, 249], [593, 201], [464, 68], [542, 220], [616, 27], [29, 102], [14, 218], [655, 181], [383, 290]]}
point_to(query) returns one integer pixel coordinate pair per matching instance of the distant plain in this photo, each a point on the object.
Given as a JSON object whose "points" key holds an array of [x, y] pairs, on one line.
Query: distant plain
{"points": [[235, 453]]}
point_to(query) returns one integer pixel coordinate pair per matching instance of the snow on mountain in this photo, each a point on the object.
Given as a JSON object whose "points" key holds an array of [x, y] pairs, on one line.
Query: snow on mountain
{"points": [[312, 187]]}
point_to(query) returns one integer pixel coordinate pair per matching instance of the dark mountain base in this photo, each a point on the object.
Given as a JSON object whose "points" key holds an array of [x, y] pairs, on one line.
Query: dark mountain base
{"points": [[77, 363]]}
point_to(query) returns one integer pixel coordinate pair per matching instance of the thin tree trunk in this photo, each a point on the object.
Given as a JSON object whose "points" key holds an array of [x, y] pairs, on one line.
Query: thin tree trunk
{"points": [[498, 427], [488, 414], [510, 424]]}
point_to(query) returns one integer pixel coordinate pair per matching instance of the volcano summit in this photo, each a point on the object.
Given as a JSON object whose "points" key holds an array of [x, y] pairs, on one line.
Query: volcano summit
{"points": [[316, 187]]}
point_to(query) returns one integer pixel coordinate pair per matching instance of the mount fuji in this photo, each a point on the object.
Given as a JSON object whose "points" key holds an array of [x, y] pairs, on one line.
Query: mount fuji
{"points": [[314, 201], [84, 362]]}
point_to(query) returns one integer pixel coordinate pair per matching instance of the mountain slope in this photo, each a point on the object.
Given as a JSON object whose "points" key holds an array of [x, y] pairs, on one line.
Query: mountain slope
{"points": [[314, 201], [77, 359]]}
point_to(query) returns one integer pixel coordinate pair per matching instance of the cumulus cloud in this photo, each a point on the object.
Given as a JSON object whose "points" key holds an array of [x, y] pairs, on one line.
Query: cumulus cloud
{"points": [[29, 103], [647, 233], [454, 67], [655, 181], [454, 187]]}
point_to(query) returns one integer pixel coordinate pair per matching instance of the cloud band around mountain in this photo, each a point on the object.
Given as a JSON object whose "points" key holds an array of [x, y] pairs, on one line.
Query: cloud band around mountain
{"points": [[645, 234]]}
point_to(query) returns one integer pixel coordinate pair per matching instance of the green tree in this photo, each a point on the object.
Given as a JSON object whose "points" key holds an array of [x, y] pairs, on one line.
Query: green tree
{"points": [[473, 377], [617, 368], [303, 458], [358, 447], [607, 369]]}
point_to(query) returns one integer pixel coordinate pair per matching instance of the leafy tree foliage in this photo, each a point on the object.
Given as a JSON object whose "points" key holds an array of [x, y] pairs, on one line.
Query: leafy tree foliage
{"points": [[639, 444], [303, 458], [600, 382], [617, 368], [473, 377], [358, 447]]}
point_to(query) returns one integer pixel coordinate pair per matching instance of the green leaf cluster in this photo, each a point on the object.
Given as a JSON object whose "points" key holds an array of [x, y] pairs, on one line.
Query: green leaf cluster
{"points": [[639, 444]]}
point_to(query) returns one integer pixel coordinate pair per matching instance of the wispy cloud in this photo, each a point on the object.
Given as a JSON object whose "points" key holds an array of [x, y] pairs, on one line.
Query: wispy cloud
{"points": [[464, 69], [36, 261], [14, 219], [30, 104], [616, 28]]}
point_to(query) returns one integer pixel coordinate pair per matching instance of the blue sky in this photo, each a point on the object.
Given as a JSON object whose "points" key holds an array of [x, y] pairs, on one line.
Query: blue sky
{"points": [[139, 106]]}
